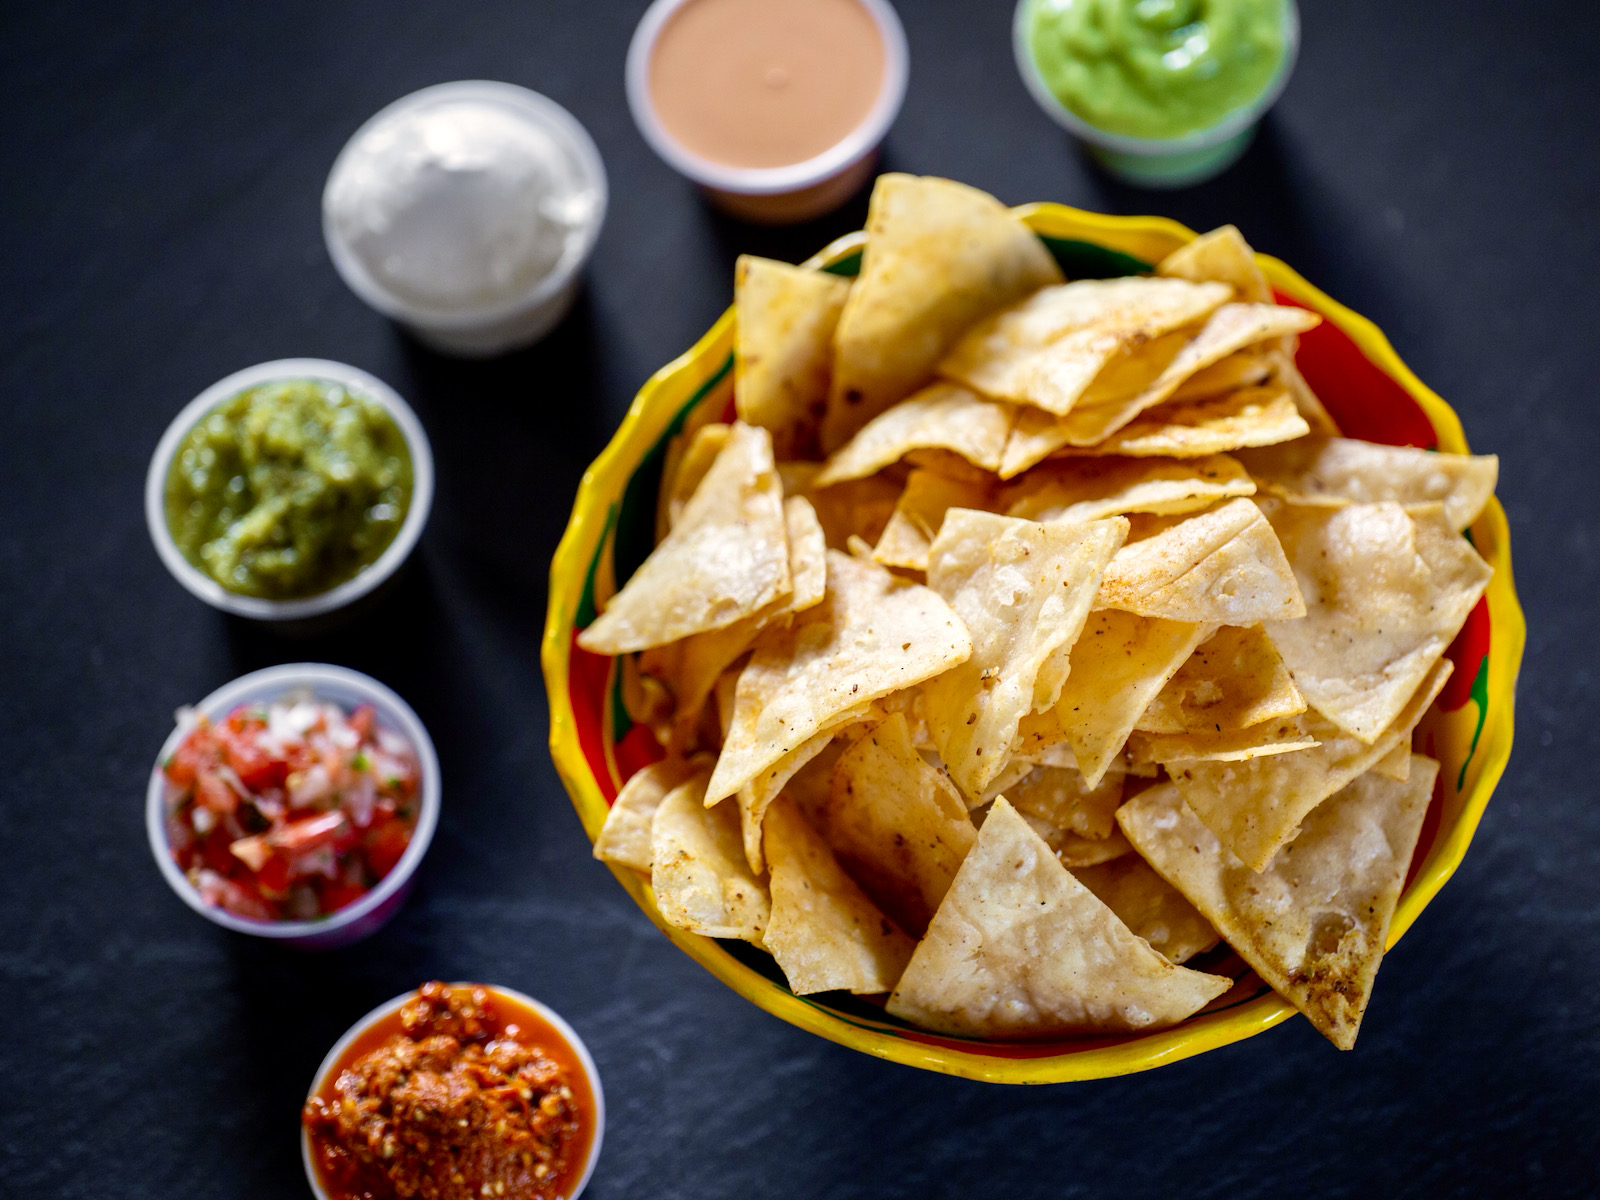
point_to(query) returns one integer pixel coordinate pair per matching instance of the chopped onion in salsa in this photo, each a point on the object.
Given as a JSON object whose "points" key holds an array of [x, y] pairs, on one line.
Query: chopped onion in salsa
{"points": [[290, 811]]}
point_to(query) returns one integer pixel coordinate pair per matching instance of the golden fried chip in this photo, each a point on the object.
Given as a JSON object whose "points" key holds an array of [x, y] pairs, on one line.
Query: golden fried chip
{"points": [[808, 553], [1232, 681], [625, 837], [783, 351], [1119, 664], [697, 867], [1073, 849], [1223, 567], [1255, 807], [858, 506], [897, 824], [942, 416], [1223, 255], [1250, 417], [920, 512], [757, 796], [1386, 592], [1283, 736], [1085, 489], [824, 931], [726, 558], [689, 457], [872, 634], [1048, 350], [1019, 948], [939, 256], [1396, 764], [1319, 468], [1241, 369], [1150, 906], [1023, 589], [1314, 922], [1306, 402], [1064, 798]]}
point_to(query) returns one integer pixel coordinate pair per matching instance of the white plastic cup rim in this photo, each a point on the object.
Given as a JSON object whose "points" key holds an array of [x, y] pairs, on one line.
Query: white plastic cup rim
{"points": [[326, 682], [767, 181], [556, 1021], [1233, 124], [259, 608], [443, 322]]}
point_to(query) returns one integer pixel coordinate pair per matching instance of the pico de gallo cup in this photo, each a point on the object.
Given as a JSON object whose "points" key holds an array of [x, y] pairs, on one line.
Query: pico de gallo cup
{"points": [[334, 1060], [348, 689]]}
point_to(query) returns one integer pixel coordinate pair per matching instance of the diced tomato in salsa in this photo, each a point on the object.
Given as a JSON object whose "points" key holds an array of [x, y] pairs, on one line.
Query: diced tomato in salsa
{"points": [[285, 814]]}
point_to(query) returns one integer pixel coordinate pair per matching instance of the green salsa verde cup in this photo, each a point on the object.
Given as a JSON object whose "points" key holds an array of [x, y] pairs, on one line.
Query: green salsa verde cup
{"points": [[289, 490], [1161, 93]]}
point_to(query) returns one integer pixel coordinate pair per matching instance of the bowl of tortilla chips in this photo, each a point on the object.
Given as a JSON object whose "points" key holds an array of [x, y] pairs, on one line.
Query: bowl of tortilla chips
{"points": [[1035, 645]]}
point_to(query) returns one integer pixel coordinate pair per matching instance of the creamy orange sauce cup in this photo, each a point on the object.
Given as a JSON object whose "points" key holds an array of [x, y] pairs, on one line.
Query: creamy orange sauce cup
{"points": [[775, 108]]}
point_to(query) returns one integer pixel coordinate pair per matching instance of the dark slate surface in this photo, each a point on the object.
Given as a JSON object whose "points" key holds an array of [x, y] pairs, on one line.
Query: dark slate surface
{"points": [[1433, 165]]}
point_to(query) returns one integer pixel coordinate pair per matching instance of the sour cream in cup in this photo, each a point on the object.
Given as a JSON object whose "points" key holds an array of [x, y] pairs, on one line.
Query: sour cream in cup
{"points": [[775, 108]]}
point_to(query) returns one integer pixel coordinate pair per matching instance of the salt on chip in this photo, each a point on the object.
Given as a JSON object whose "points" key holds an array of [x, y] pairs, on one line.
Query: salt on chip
{"points": [[939, 256], [1256, 807], [1063, 797], [1233, 680], [1150, 906], [1314, 922], [1317, 468], [1019, 949], [1024, 590], [783, 352], [919, 513], [1223, 566], [726, 558], [1223, 255], [1086, 489], [1048, 350], [698, 872], [824, 931], [942, 416], [625, 837], [1119, 664], [897, 824], [873, 634], [1386, 592]]}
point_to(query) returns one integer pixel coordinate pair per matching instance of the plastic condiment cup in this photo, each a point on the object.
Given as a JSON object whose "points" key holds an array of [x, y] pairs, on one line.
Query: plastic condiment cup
{"points": [[1161, 162], [302, 612], [553, 1018], [774, 195], [348, 689], [491, 329]]}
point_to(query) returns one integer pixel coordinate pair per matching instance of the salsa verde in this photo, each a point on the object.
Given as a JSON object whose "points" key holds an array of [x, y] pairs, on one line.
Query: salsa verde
{"points": [[289, 488]]}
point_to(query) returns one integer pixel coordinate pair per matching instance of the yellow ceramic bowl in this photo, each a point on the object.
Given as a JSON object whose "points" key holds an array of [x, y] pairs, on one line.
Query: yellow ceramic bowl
{"points": [[1370, 392]]}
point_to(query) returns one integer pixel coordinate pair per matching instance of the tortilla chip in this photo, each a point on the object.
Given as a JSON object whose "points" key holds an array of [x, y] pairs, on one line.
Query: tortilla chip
{"points": [[941, 416], [1150, 906], [857, 506], [1020, 948], [920, 512], [1064, 798], [1085, 489], [1223, 255], [824, 932], [1234, 680], [1024, 590], [1318, 468], [689, 457], [625, 837], [939, 256], [1283, 736], [1223, 567], [1048, 350], [726, 558], [898, 825], [1315, 921], [697, 868], [808, 553], [1386, 593], [1073, 849], [1229, 328], [1250, 417], [1241, 369], [1255, 807], [872, 634], [757, 796], [1118, 665], [1396, 764], [1311, 409], [783, 352]]}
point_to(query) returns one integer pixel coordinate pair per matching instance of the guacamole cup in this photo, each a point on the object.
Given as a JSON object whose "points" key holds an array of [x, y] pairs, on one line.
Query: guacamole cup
{"points": [[1160, 162], [306, 612]]}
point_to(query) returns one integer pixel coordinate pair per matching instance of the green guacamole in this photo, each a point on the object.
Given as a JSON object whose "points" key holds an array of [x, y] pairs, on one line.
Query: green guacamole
{"points": [[1156, 69], [289, 489]]}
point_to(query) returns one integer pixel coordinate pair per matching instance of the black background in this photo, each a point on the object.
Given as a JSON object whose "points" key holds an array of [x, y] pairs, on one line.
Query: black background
{"points": [[1433, 165]]}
